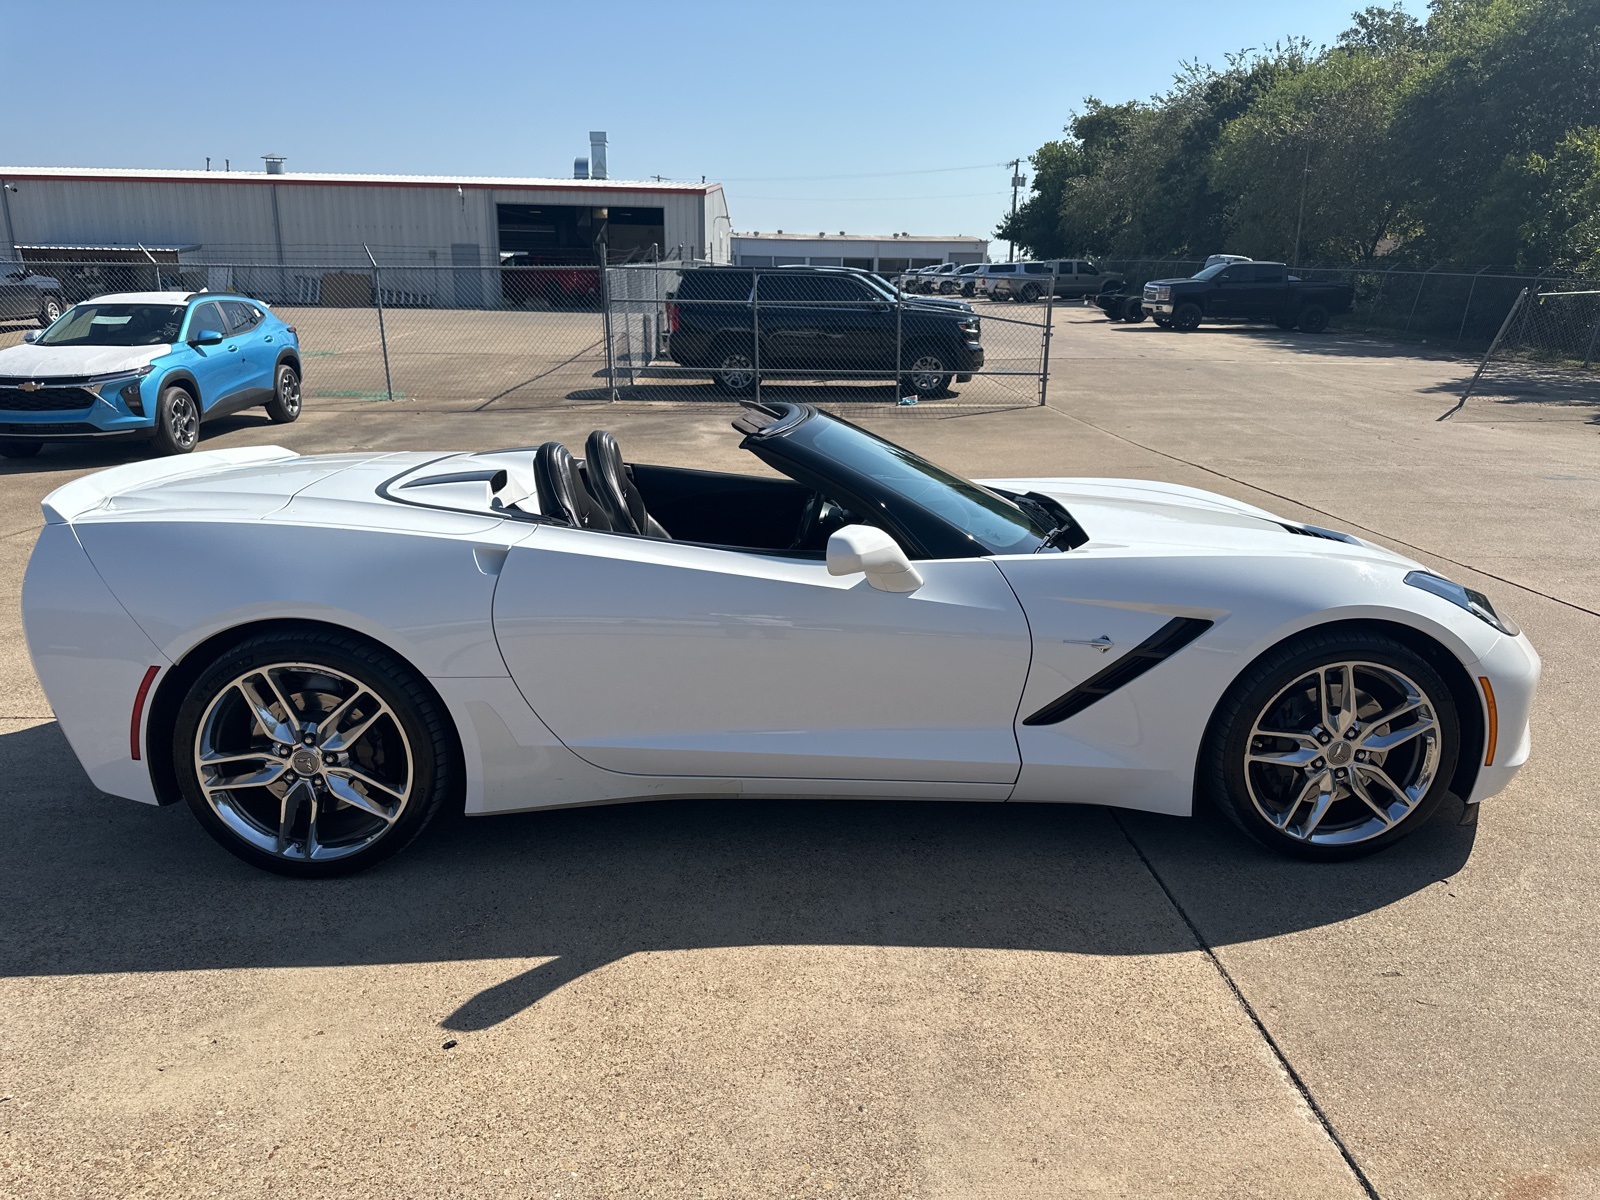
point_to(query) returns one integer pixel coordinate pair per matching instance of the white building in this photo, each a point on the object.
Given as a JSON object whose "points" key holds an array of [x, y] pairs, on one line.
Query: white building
{"points": [[272, 217], [887, 254]]}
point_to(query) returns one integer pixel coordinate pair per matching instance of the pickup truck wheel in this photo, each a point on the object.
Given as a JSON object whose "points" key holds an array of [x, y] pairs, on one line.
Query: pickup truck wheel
{"points": [[1313, 319], [1163, 322], [1284, 322], [49, 311], [735, 373], [1187, 317], [20, 449], [929, 375], [1133, 311], [1030, 293]]}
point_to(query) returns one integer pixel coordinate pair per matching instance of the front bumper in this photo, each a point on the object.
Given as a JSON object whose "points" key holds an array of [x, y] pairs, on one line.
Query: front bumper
{"points": [[1163, 307], [108, 415], [1512, 668]]}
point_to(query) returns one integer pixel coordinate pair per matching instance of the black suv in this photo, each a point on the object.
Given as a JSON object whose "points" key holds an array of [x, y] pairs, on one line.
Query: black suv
{"points": [[816, 324]]}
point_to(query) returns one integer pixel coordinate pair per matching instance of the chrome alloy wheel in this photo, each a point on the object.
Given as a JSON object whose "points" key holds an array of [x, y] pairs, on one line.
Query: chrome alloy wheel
{"points": [[1343, 753], [183, 420], [927, 373], [303, 762], [736, 371]]}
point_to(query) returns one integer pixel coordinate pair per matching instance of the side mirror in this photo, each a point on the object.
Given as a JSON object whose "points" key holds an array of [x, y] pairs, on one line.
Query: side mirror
{"points": [[205, 337], [31, 336], [863, 549]]}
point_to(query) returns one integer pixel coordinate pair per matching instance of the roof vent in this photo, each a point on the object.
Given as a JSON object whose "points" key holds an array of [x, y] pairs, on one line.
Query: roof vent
{"points": [[580, 168], [597, 154], [274, 163]]}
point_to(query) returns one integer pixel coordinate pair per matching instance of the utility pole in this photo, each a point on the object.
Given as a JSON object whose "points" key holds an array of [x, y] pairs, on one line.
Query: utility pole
{"points": [[1305, 177], [1016, 182]]}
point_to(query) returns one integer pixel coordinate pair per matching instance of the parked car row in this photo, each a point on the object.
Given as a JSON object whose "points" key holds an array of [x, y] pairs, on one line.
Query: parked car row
{"points": [[1023, 281], [1231, 287]]}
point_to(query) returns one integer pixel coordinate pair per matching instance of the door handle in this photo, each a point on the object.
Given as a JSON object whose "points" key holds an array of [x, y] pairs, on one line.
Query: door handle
{"points": [[233, 349], [1101, 643], [268, 337]]}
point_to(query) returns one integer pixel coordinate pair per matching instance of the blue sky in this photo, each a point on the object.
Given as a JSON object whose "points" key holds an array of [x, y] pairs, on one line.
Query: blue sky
{"points": [[870, 117]]}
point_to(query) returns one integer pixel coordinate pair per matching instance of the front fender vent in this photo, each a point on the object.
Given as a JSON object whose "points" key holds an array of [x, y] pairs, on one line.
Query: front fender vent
{"points": [[1159, 646]]}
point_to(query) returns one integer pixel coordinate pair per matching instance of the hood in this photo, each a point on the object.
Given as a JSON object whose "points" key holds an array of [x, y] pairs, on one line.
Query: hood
{"points": [[1168, 282], [48, 362], [1142, 513]]}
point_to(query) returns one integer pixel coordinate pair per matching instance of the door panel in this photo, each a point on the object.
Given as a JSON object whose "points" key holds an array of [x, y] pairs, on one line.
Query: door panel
{"points": [[663, 658], [218, 369]]}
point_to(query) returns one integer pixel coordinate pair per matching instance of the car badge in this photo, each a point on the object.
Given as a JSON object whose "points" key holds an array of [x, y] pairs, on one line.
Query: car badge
{"points": [[31, 385]]}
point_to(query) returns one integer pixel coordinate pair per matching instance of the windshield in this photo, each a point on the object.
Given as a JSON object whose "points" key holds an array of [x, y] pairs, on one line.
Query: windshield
{"points": [[1000, 526], [1212, 271], [115, 325]]}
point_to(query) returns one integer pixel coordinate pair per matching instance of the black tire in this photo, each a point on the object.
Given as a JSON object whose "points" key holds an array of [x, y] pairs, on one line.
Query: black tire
{"points": [[734, 372], [1113, 312], [1163, 321], [1186, 317], [1284, 322], [285, 403], [49, 309], [1313, 319], [435, 774], [1029, 293], [1133, 310], [177, 421], [1256, 695], [930, 373], [20, 449]]}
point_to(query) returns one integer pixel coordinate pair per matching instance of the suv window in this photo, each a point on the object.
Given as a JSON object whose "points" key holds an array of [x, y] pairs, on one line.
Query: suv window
{"points": [[797, 287], [241, 316], [205, 316], [1036, 268], [712, 284], [1000, 268]]}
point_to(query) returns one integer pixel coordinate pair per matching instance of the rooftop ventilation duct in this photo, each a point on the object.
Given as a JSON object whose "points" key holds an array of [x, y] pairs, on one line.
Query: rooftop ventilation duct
{"points": [[597, 154], [580, 168], [274, 163]]}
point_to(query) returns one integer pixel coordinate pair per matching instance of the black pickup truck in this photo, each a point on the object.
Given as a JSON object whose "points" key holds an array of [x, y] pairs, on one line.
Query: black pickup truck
{"points": [[816, 323], [1250, 291]]}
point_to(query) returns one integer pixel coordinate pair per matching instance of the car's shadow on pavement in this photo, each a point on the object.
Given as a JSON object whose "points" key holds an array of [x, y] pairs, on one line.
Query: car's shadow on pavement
{"points": [[91, 884]]}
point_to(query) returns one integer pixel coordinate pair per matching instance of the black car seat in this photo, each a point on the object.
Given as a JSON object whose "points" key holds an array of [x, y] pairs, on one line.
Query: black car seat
{"points": [[614, 488], [562, 494]]}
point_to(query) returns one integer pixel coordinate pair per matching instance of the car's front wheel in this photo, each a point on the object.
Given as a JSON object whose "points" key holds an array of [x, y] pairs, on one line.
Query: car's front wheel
{"points": [[20, 449], [1313, 319], [285, 403], [1333, 746], [177, 421], [1133, 310], [1162, 321], [312, 753], [1186, 317]]}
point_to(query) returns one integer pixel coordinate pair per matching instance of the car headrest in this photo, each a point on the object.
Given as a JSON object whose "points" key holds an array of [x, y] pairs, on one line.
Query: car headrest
{"points": [[562, 494]]}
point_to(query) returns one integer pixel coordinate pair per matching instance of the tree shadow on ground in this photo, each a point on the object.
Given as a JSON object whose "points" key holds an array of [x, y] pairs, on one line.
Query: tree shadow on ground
{"points": [[92, 884], [1336, 341]]}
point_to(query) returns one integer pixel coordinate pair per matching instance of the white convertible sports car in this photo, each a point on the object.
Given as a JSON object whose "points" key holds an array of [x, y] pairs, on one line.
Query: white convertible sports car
{"points": [[317, 653]]}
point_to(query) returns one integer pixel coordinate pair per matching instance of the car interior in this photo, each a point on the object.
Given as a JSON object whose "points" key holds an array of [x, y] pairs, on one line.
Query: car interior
{"points": [[605, 493]]}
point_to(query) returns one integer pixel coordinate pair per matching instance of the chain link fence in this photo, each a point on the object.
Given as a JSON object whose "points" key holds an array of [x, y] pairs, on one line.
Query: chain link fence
{"points": [[534, 336], [850, 341]]}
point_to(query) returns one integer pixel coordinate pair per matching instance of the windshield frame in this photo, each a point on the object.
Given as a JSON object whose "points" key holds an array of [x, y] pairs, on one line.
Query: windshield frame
{"points": [[60, 324], [792, 443]]}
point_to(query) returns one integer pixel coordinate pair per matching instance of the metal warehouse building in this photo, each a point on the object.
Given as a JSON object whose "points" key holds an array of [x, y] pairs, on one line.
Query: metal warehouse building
{"points": [[887, 254], [208, 221]]}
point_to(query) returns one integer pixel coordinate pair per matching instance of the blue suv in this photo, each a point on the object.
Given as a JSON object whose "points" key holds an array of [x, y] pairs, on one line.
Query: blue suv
{"points": [[146, 365]]}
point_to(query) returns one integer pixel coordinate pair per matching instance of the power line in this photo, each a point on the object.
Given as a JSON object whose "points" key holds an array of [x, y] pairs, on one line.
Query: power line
{"points": [[866, 199], [863, 175]]}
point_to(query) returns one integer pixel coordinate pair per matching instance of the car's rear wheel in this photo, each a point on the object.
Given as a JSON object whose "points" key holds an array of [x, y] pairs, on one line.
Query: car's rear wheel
{"points": [[735, 371], [1186, 317], [1313, 319], [313, 753], [1333, 746], [50, 310], [285, 403], [20, 449], [929, 374], [177, 421], [1029, 293]]}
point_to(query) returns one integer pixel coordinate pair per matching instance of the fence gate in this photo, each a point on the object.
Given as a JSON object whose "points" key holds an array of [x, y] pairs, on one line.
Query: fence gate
{"points": [[845, 341]]}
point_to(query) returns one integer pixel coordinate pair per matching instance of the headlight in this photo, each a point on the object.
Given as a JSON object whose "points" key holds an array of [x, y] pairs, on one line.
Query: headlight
{"points": [[1474, 602], [123, 385]]}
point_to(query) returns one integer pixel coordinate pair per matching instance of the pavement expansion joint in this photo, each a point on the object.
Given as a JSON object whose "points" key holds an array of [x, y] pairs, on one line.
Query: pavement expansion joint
{"points": [[1294, 1077]]}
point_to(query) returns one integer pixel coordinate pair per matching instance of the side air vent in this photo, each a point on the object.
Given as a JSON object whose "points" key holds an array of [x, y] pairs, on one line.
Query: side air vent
{"points": [[1316, 531], [1159, 646]]}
